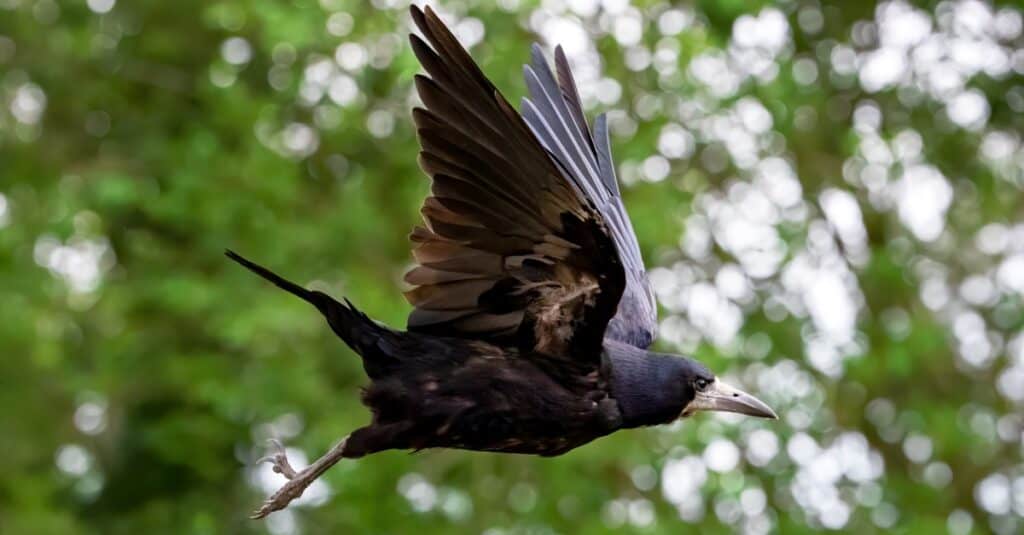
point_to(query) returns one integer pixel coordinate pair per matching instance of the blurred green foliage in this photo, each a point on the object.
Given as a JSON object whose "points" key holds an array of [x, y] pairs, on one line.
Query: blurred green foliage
{"points": [[140, 371]]}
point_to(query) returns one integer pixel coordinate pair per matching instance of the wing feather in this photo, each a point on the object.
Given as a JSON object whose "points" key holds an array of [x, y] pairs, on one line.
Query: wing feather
{"points": [[554, 113], [510, 249]]}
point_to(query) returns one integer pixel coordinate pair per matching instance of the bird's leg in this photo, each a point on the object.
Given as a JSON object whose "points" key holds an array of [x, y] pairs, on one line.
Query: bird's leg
{"points": [[297, 481]]}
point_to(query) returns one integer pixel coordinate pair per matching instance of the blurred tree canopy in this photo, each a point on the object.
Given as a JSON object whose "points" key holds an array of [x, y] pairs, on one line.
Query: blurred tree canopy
{"points": [[828, 195]]}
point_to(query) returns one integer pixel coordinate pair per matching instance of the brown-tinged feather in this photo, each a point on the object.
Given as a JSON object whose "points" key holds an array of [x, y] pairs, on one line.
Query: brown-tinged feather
{"points": [[511, 247]]}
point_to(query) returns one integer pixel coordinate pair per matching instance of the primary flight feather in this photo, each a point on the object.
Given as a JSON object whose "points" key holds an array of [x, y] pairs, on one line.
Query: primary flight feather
{"points": [[532, 310]]}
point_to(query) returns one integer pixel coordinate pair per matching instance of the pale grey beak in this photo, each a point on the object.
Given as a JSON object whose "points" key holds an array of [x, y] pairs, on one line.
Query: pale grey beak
{"points": [[719, 396]]}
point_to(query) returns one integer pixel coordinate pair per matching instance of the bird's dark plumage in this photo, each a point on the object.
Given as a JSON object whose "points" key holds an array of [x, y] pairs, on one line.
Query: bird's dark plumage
{"points": [[555, 115], [532, 311], [510, 251]]}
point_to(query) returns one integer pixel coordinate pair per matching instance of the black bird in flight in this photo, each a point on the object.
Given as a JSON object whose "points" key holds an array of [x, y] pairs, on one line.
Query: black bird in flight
{"points": [[532, 310]]}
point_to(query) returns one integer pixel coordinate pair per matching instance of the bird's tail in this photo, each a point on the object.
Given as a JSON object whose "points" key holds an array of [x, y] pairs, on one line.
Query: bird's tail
{"points": [[361, 333]]}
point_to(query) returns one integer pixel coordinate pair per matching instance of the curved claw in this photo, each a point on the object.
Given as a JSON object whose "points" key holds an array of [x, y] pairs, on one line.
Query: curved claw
{"points": [[278, 447], [279, 459]]}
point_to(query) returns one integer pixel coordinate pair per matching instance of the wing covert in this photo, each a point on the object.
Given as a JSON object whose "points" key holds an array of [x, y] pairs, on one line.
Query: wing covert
{"points": [[510, 250], [554, 113]]}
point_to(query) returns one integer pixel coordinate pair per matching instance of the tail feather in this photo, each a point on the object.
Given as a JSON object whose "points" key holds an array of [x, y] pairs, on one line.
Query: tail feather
{"points": [[278, 280], [360, 332]]}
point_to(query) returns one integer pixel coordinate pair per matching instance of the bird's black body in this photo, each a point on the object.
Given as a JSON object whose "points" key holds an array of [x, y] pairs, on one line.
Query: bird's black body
{"points": [[429, 391], [477, 396], [532, 313], [487, 398]]}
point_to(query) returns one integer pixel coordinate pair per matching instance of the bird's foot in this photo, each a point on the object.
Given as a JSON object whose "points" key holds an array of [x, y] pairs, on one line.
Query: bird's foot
{"points": [[297, 481], [279, 459], [290, 491]]}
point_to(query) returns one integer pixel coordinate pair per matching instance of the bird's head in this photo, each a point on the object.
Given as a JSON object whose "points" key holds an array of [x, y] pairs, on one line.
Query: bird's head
{"points": [[656, 388], [707, 393]]}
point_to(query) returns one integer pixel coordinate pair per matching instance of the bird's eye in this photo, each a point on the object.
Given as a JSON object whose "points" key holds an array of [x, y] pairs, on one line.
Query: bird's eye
{"points": [[701, 384]]}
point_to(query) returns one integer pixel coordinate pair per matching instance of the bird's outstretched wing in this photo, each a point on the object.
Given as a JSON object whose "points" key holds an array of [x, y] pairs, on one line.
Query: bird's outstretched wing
{"points": [[510, 250], [554, 113]]}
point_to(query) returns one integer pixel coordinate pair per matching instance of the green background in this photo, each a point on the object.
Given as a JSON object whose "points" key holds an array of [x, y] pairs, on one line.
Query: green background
{"points": [[140, 370]]}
